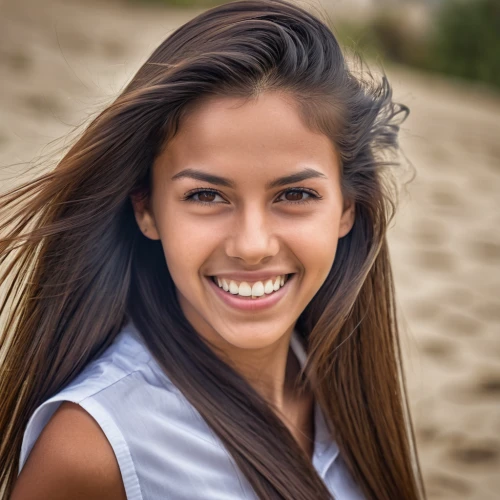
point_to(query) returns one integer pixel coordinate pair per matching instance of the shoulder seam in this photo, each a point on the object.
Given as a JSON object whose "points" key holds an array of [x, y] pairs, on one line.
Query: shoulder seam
{"points": [[108, 386]]}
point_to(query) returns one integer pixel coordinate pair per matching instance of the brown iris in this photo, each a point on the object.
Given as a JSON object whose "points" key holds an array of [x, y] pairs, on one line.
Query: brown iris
{"points": [[206, 196], [294, 195]]}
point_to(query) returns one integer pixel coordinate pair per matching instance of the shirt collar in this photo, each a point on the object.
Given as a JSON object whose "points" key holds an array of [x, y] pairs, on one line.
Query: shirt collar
{"points": [[322, 436]]}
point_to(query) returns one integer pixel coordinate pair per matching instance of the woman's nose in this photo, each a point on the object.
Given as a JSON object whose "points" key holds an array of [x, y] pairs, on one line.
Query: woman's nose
{"points": [[252, 238]]}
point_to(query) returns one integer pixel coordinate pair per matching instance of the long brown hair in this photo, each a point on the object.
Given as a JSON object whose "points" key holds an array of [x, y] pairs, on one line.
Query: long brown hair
{"points": [[78, 267]]}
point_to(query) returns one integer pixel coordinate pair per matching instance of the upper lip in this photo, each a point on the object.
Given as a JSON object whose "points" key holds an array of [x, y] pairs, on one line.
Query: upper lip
{"points": [[250, 275]]}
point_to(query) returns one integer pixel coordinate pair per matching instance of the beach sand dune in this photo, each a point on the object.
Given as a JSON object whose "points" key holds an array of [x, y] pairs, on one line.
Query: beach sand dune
{"points": [[60, 62], [446, 252]]}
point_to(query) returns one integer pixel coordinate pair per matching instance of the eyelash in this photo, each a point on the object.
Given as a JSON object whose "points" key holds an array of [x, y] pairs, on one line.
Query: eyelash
{"points": [[190, 194]]}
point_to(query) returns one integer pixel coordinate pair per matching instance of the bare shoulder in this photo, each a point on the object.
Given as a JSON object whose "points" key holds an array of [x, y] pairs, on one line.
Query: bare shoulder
{"points": [[71, 458]]}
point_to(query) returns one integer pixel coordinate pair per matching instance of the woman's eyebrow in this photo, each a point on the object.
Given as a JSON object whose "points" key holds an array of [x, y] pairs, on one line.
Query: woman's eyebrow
{"points": [[307, 173], [200, 175]]}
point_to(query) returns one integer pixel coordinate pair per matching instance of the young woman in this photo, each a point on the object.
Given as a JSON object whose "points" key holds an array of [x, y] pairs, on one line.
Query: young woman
{"points": [[200, 302]]}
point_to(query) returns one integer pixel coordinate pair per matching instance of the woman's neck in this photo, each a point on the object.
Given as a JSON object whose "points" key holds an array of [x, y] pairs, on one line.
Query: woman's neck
{"points": [[271, 371]]}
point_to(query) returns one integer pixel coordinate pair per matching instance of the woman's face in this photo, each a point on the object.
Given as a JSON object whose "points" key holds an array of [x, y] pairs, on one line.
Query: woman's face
{"points": [[245, 194]]}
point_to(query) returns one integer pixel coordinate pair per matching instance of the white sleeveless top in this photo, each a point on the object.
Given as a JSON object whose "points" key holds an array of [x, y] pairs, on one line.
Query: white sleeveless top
{"points": [[164, 448]]}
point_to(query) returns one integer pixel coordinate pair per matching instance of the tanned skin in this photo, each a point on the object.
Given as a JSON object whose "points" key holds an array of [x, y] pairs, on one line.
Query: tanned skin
{"points": [[72, 458]]}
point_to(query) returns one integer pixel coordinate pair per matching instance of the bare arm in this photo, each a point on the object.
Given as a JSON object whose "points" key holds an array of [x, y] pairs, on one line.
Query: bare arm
{"points": [[72, 458]]}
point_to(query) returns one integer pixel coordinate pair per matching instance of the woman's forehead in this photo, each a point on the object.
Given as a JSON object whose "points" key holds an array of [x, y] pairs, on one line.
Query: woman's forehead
{"points": [[232, 137]]}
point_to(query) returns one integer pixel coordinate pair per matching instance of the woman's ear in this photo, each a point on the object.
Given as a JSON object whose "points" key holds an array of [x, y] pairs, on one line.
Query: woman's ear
{"points": [[144, 216], [347, 218]]}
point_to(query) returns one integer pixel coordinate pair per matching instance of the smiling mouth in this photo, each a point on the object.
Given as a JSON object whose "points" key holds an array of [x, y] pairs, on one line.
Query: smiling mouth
{"points": [[255, 290]]}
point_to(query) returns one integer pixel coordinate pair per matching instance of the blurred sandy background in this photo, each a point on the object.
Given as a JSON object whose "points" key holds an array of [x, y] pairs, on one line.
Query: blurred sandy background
{"points": [[62, 61]]}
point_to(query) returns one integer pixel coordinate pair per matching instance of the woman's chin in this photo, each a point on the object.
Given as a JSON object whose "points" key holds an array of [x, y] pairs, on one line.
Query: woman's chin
{"points": [[252, 338]]}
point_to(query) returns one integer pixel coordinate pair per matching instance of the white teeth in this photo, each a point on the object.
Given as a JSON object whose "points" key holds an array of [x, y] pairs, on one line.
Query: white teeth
{"points": [[233, 287], [257, 289], [244, 289], [276, 285]]}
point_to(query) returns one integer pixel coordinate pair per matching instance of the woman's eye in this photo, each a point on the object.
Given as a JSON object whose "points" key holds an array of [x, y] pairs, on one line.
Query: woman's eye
{"points": [[298, 196], [205, 197]]}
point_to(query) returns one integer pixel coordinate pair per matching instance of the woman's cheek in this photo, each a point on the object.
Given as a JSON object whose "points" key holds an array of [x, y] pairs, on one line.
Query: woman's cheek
{"points": [[187, 247]]}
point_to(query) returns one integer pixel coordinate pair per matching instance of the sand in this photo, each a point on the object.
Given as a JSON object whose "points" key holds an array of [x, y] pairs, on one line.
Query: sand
{"points": [[446, 255], [60, 62]]}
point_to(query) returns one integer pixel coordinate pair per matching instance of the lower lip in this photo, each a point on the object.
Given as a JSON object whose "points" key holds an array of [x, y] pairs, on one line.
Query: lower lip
{"points": [[247, 303]]}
